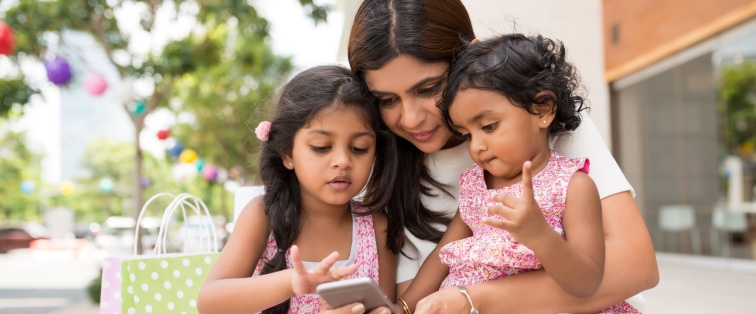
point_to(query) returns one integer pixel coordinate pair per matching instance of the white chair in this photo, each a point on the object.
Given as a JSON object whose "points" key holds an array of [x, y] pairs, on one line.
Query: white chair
{"points": [[729, 220], [680, 218], [244, 194]]}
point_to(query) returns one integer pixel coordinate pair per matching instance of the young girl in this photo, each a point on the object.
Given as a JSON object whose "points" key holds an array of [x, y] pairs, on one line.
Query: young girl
{"points": [[522, 205], [317, 155]]}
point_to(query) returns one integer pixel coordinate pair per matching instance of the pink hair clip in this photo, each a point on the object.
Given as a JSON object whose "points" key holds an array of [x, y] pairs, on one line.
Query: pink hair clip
{"points": [[263, 130]]}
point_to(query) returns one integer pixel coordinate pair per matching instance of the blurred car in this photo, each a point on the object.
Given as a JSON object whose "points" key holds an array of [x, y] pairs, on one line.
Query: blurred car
{"points": [[194, 235], [116, 236], [21, 236]]}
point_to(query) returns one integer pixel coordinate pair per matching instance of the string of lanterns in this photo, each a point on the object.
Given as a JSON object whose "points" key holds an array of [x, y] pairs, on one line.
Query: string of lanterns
{"points": [[60, 73]]}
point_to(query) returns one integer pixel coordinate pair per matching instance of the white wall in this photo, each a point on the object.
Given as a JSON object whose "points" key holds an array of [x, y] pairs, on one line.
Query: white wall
{"points": [[579, 24]]}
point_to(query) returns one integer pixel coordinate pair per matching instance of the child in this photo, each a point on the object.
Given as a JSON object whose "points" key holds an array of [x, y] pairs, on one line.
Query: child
{"points": [[522, 205], [317, 155]]}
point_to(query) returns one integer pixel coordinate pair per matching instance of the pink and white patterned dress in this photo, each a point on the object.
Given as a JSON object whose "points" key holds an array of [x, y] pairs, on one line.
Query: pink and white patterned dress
{"points": [[492, 253], [364, 253]]}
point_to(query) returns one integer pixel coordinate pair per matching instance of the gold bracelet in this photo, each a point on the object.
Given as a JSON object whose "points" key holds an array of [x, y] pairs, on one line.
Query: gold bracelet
{"points": [[405, 306], [463, 291]]}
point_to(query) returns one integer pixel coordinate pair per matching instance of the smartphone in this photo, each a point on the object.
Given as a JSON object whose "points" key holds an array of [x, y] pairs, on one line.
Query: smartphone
{"points": [[364, 289]]}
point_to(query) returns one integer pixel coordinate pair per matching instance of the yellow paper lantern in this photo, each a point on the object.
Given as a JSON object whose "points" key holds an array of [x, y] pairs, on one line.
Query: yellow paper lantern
{"points": [[67, 188], [188, 156]]}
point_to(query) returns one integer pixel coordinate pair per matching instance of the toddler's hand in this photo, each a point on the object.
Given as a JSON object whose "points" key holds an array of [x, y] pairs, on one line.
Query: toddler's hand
{"points": [[304, 281], [523, 218]]}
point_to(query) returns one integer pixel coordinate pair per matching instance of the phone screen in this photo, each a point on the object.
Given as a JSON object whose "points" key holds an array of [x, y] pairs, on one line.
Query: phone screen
{"points": [[343, 292]]}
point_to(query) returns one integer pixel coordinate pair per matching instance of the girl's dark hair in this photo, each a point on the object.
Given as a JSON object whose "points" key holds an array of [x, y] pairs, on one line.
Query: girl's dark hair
{"points": [[519, 67], [430, 31], [306, 95]]}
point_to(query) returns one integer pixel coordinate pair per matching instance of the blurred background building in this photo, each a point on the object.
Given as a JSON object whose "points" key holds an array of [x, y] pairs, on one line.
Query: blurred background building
{"points": [[681, 77]]}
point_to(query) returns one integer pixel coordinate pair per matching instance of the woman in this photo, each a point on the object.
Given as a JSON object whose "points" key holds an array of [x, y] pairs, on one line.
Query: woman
{"points": [[402, 51]]}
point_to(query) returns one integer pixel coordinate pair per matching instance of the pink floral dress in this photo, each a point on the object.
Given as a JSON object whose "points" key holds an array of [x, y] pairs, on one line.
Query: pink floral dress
{"points": [[364, 254], [492, 253]]}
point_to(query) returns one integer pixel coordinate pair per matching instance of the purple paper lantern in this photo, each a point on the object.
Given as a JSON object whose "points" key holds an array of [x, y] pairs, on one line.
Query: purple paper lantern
{"points": [[58, 71], [145, 182], [209, 172]]}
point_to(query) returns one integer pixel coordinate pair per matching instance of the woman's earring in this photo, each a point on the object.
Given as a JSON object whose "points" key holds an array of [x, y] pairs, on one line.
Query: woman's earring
{"points": [[544, 121], [290, 163]]}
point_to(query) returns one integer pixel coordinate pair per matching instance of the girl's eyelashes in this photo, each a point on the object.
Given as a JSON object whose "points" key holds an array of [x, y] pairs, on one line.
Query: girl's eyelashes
{"points": [[325, 149], [359, 151], [489, 127], [320, 149], [467, 136]]}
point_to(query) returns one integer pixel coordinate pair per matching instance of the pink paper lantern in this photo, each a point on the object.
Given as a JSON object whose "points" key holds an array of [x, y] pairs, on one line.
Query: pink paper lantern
{"points": [[209, 172], [58, 71], [7, 41], [95, 84]]}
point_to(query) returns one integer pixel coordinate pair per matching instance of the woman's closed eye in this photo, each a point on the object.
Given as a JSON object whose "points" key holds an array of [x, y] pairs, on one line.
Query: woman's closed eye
{"points": [[430, 90], [387, 102]]}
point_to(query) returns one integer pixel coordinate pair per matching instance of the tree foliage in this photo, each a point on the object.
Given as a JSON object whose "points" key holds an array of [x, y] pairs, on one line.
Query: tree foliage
{"points": [[227, 36], [737, 106], [17, 164]]}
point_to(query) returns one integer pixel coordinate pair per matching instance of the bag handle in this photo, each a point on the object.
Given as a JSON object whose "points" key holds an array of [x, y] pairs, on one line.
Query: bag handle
{"points": [[141, 215], [178, 201], [194, 202]]}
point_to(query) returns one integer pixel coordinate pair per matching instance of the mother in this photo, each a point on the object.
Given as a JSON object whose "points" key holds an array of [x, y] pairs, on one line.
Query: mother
{"points": [[402, 50]]}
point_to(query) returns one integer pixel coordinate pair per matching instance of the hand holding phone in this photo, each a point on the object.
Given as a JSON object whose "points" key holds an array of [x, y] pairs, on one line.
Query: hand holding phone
{"points": [[364, 290]]}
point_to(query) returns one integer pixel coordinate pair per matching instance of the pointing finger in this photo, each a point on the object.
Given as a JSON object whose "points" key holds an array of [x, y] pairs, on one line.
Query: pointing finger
{"points": [[296, 261], [527, 180]]}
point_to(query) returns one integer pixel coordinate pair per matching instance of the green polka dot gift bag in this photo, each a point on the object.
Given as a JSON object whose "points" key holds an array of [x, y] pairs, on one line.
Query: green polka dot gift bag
{"points": [[169, 282]]}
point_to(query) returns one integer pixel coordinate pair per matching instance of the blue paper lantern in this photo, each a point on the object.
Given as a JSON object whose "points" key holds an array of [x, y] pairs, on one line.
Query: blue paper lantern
{"points": [[200, 163], [176, 150], [58, 71], [106, 185], [27, 187], [138, 108]]}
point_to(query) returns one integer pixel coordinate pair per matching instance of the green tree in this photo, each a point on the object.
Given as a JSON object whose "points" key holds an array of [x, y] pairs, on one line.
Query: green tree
{"points": [[239, 90], [163, 66], [17, 164], [737, 107]]}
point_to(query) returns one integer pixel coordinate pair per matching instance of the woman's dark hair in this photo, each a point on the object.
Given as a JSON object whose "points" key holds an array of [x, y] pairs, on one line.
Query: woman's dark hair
{"points": [[430, 31], [306, 95], [519, 67]]}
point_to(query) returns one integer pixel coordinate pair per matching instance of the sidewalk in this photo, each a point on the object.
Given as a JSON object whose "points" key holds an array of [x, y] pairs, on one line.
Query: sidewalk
{"points": [[699, 284], [688, 284]]}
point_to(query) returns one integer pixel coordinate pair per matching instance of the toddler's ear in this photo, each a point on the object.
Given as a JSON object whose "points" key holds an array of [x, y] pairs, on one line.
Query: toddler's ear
{"points": [[474, 41], [545, 106]]}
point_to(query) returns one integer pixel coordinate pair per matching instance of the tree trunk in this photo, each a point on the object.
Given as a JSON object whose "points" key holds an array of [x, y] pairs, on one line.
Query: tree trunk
{"points": [[137, 183]]}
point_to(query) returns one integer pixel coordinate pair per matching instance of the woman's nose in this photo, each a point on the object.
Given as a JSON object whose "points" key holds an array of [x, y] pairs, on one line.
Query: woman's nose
{"points": [[413, 114]]}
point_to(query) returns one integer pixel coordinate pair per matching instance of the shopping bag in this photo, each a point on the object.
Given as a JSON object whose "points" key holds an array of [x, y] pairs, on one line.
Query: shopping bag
{"points": [[163, 282], [110, 286]]}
